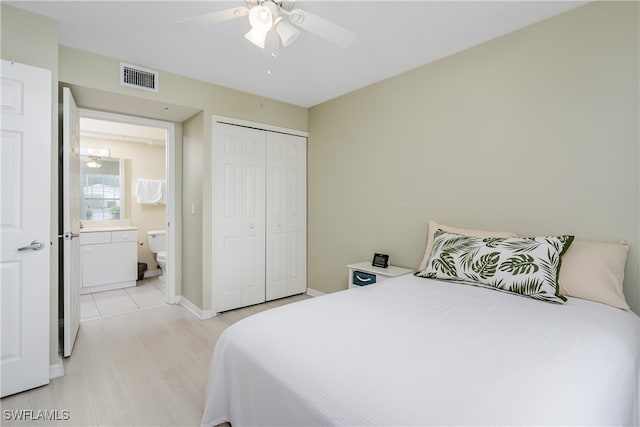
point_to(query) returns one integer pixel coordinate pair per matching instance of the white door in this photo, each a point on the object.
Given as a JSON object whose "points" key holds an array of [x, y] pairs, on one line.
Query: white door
{"points": [[238, 265], [71, 218], [286, 267], [25, 230]]}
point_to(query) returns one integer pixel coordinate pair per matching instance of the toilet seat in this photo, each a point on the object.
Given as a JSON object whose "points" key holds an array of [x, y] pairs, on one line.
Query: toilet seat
{"points": [[162, 255]]}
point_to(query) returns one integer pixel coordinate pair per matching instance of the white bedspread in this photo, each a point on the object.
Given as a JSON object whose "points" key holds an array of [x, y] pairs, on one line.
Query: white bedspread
{"points": [[413, 351]]}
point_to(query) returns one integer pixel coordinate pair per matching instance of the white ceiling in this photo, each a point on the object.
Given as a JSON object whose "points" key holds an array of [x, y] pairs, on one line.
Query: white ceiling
{"points": [[126, 132], [392, 37]]}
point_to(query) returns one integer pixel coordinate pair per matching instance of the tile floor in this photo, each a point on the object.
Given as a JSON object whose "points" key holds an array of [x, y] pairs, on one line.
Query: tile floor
{"points": [[147, 293]]}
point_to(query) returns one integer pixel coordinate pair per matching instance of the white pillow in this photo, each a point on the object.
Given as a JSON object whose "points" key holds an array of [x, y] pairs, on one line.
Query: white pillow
{"points": [[434, 226], [594, 271]]}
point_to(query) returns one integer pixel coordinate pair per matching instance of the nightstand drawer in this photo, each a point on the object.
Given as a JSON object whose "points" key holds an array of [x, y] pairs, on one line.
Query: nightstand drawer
{"points": [[363, 273], [361, 278]]}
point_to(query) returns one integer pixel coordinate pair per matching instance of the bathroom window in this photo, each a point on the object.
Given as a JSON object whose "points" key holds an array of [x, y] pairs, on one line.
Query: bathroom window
{"points": [[101, 187]]}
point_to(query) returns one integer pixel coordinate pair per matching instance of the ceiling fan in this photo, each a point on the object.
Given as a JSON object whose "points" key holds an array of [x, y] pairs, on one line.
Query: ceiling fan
{"points": [[275, 21]]}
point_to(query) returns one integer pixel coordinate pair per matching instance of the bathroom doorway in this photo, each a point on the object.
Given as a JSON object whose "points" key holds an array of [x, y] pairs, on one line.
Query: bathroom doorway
{"points": [[127, 178]]}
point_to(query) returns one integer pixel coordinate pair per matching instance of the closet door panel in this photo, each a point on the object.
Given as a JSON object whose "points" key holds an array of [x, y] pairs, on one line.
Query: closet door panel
{"points": [[229, 294], [286, 215], [297, 216], [227, 223], [238, 217], [276, 283], [253, 283]]}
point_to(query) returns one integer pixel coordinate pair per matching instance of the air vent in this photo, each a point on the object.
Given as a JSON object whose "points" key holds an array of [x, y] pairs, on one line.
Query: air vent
{"points": [[138, 77]]}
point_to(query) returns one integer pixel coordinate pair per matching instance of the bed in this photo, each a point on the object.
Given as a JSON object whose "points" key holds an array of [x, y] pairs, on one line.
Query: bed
{"points": [[427, 351], [415, 351]]}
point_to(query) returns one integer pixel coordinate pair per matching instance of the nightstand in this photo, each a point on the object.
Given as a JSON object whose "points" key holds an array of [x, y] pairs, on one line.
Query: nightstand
{"points": [[363, 273]]}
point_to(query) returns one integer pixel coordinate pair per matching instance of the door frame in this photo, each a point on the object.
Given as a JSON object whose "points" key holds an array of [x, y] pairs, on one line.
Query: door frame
{"points": [[171, 206], [248, 124]]}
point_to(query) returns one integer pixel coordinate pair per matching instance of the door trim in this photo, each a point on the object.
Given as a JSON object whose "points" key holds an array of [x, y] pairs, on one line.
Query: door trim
{"points": [[171, 208], [255, 125]]}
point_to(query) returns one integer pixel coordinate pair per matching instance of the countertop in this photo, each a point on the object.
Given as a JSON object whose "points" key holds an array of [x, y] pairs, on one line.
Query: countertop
{"points": [[113, 228]]}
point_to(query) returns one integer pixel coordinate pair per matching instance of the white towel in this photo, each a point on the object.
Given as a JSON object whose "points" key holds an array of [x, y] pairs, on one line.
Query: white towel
{"points": [[150, 191]]}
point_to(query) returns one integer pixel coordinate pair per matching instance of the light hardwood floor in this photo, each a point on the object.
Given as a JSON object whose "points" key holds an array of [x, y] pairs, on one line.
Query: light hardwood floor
{"points": [[145, 368]]}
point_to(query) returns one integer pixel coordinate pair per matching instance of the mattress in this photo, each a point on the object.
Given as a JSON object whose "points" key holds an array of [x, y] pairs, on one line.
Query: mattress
{"points": [[414, 351]]}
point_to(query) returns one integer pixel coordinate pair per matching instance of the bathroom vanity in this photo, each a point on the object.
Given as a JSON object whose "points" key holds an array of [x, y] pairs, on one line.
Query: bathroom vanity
{"points": [[109, 258]]}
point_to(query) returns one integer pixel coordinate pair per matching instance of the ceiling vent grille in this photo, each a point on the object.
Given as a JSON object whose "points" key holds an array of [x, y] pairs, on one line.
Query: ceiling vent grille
{"points": [[138, 77]]}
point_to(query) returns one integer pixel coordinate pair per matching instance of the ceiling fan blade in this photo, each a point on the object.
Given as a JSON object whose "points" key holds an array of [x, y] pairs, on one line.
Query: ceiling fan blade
{"points": [[219, 16], [321, 27]]}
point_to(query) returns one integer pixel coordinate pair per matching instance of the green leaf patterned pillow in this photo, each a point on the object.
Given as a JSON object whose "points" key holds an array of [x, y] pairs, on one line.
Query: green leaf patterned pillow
{"points": [[527, 266]]}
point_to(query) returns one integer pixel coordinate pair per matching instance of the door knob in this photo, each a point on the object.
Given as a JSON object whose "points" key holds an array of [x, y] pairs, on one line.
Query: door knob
{"points": [[36, 245]]}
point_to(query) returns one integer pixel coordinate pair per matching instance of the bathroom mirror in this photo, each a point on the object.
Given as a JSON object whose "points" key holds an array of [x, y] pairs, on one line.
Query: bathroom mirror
{"points": [[102, 188]]}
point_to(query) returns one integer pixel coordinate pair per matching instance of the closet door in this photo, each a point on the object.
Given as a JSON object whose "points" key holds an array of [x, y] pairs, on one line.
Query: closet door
{"points": [[238, 264], [286, 215]]}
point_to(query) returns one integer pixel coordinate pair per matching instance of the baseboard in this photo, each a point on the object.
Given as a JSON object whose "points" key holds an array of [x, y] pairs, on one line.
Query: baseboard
{"points": [[57, 369], [208, 314], [195, 310], [314, 293]]}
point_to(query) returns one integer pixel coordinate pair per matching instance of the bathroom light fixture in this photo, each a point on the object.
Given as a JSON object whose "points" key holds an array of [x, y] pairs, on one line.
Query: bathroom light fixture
{"points": [[93, 152], [94, 163]]}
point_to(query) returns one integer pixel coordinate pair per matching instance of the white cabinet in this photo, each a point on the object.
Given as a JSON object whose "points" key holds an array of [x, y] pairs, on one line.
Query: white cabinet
{"points": [[259, 216], [109, 260]]}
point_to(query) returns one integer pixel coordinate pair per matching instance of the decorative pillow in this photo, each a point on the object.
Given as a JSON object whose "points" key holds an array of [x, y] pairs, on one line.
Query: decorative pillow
{"points": [[595, 271], [527, 266], [433, 226]]}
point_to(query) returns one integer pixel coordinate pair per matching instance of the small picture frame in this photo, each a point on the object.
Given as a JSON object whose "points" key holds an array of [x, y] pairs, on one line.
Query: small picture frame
{"points": [[380, 260]]}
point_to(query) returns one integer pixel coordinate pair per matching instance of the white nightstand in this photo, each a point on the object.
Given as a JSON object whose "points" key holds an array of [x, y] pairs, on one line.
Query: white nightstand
{"points": [[363, 273]]}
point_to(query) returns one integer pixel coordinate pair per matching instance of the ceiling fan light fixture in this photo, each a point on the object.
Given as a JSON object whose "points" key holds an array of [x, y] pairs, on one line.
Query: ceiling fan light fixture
{"points": [[288, 33], [261, 17], [256, 37]]}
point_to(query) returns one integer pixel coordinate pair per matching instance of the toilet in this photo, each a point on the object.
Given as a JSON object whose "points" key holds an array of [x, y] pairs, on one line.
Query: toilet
{"points": [[158, 246]]}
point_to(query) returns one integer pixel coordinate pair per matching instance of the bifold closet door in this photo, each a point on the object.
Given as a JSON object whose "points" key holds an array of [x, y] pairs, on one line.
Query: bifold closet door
{"points": [[286, 215], [238, 264]]}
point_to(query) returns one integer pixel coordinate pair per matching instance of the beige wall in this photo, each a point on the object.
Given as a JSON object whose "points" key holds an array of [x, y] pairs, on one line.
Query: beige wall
{"points": [[33, 40], [193, 143], [535, 132], [143, 162]]}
